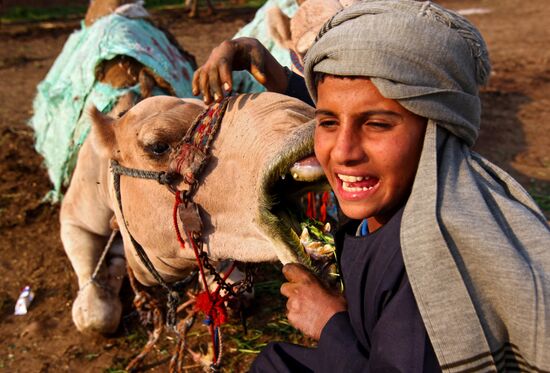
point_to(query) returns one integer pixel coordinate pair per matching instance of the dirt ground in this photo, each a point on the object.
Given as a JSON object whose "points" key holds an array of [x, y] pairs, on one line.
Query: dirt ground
{"points": [[514, 135]]}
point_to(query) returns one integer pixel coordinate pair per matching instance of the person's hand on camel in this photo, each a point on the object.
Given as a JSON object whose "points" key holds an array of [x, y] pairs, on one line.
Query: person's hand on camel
{"points": [[310, 305], [213, 79]]}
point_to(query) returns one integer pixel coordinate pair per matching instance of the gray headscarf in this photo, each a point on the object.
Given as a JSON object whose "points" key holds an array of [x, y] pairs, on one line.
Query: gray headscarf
{"points": [[475, 245]]}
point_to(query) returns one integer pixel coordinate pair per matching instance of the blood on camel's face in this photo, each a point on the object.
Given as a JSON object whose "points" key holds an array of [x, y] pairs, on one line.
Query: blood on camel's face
{"points": [[369, 147]]}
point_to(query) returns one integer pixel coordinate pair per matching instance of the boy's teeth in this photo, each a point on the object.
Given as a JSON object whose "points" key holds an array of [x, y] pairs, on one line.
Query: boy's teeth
{"points": [[346, 186], [351, 179]]}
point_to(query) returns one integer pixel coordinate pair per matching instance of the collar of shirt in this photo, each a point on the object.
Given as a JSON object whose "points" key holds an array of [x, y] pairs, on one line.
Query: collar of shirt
{"points": [[363, 229]]}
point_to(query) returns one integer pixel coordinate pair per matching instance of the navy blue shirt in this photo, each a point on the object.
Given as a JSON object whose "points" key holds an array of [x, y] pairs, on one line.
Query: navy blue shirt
{"points": [[382, 330]]}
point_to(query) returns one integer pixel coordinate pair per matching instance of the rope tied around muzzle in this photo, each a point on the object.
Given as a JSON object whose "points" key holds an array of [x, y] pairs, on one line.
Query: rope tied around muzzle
{"points": [[162, 177]]}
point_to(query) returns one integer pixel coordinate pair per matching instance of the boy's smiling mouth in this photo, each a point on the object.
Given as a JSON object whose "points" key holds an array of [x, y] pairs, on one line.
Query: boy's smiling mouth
{"points": [[356, 187]]}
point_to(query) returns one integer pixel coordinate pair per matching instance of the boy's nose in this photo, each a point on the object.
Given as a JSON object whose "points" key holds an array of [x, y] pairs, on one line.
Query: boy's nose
{"points": [[348, 148]]}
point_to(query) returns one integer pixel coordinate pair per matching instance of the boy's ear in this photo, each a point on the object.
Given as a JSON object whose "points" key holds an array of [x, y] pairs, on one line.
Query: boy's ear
{"points": [[102, 133], [279, 27]]}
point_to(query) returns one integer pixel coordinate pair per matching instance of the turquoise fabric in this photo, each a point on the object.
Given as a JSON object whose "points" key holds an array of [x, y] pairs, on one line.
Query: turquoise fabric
{"points": [[257, 28], [70, 86]]}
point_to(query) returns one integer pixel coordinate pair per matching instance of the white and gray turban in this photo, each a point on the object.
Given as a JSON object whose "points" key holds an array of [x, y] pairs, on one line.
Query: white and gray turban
{"points": [[429, 59], [476, 246]]}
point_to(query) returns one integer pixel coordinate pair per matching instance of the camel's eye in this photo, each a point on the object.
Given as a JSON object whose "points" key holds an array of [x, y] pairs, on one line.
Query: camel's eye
{"points": [[159, 148]]}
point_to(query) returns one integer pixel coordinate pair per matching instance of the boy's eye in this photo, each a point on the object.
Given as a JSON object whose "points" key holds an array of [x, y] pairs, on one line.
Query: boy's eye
{"points": [[379, 125], [326, 123]]}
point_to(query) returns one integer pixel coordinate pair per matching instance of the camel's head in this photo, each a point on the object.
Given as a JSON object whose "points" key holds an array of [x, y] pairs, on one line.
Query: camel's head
{"points": [[102, 8], [298, 33], [144, 135], [247, 195]]}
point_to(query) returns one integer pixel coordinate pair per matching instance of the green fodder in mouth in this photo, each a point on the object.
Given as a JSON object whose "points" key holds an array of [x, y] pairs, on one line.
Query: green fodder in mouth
{"points": [[310, 240], [318, 242]]}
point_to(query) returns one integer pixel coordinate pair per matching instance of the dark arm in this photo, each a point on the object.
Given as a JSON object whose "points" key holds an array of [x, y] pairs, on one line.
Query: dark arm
{"points": [[399, 342]]}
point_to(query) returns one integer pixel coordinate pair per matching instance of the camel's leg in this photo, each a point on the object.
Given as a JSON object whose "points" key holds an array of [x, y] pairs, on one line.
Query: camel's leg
{"points": [[97, 307], [187, 6], [85, 216], [193, 13], [146, 83], [119, 72]]}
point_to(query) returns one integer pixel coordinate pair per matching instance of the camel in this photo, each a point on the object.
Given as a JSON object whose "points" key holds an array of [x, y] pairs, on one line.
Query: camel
{"points": [[60, 125], [297, 33], [245, 197], [97, 306]]}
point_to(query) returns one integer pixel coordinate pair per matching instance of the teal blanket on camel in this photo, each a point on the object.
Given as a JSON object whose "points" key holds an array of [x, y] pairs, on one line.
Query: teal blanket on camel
{"points": [[71, 86]]}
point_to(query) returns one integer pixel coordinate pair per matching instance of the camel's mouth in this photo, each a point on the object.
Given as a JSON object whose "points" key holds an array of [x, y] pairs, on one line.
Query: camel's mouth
{"points": [[305, 175], [284, 210]]}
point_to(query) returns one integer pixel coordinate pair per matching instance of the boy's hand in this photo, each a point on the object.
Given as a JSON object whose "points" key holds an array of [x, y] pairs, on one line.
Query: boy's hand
{"points": [[310, 305], [213, 79]]}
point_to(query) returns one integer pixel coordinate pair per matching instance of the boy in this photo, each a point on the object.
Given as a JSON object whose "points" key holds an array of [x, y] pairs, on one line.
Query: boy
{"points": [[453, 272]]}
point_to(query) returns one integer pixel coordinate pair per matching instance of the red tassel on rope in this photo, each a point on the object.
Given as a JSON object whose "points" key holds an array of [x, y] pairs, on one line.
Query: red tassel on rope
{"points": [[175, 220], [324, 203], [212, 305]]}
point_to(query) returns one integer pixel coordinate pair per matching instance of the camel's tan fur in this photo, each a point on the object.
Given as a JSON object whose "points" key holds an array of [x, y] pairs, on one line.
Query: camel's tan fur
{"points": [[256, 131]]}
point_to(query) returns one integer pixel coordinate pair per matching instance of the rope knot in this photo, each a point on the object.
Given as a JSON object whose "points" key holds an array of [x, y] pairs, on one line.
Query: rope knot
{"points": [[161, 178], [213, 306]]}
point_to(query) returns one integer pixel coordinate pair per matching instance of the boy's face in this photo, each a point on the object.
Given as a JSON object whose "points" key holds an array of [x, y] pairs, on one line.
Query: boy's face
{"points": [[368, 146]]}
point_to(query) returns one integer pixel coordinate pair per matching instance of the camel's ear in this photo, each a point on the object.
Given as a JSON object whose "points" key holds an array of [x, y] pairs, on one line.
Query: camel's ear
{"points": [[305, 42], [278, 25], [102, 133]]}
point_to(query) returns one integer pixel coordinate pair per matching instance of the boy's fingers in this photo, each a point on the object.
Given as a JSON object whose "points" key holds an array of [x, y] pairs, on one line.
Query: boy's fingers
{"points": [[225, 75], [257, 65], [258, 75], [215, 84], [288, 289], [195, 84], [204, 87], [296, 272], [292, 306]]}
